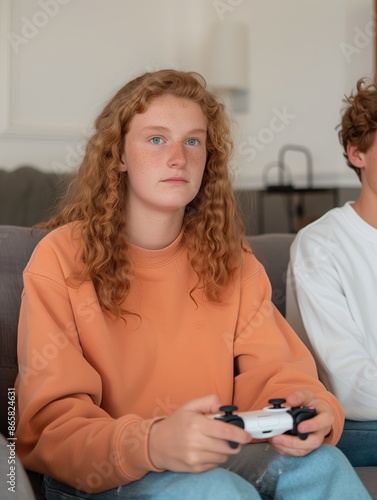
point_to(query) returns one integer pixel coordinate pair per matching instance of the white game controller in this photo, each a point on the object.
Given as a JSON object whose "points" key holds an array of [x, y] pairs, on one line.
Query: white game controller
{"points": [[270, 421]]}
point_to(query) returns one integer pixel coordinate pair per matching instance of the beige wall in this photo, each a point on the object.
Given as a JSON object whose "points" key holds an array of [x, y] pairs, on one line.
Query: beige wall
{"points": [[61, 59]]}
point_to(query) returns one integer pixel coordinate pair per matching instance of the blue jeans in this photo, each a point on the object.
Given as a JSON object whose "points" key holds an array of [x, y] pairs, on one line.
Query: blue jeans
{"points": [[258, 472], [359, 442], [217, 484]]}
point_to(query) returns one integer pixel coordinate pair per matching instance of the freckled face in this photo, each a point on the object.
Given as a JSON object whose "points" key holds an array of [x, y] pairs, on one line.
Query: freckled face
{"points": [[165, 155]]}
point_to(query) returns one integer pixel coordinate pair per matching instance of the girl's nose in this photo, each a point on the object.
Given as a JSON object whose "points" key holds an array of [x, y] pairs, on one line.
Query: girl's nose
{"points": [[177, 155]]}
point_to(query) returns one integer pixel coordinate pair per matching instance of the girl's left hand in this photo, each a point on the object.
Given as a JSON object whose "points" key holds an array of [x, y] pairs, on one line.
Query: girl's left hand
{"points": [[317, 427]]}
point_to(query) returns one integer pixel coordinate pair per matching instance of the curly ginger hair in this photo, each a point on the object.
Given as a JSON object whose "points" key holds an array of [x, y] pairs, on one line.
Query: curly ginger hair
{"points": [[96, 198]]}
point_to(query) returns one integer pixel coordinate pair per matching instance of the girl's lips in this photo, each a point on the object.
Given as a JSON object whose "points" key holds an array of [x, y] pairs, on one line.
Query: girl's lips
{"points": [[176, 180]]}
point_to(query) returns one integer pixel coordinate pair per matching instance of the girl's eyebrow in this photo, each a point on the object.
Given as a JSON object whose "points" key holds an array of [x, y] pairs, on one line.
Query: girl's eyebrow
{"points": [[159, 128]]}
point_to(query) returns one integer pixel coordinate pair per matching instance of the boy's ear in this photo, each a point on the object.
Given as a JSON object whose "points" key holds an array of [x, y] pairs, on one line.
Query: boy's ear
{"points": [[355, 156]]}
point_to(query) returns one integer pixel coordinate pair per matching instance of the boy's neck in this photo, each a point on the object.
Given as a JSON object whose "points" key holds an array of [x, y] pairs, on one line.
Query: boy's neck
{"points": [[366, 207]]}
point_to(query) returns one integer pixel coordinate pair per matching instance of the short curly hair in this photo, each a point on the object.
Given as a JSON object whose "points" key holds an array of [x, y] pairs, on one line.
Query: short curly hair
{"points": [[359, 119]]}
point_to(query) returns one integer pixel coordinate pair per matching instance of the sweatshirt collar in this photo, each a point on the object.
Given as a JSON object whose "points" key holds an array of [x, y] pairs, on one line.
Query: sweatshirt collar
{"points": [[146, 257]]}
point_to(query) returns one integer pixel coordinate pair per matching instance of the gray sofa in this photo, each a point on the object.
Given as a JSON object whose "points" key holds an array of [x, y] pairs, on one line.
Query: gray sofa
{"points": [[16, 246], [28, 195]]}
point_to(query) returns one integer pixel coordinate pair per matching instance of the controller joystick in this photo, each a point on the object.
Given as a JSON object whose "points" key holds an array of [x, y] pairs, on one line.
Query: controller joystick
{"points": [[277, 404], [230, 417], [271, 421]]}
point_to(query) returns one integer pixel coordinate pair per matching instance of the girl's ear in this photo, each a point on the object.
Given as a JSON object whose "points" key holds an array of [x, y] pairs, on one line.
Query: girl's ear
{"points": [[355, 156], [122, 166]]}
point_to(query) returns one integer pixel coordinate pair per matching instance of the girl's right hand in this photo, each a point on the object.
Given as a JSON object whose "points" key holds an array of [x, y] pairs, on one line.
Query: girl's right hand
{"points": [[188, 441]]}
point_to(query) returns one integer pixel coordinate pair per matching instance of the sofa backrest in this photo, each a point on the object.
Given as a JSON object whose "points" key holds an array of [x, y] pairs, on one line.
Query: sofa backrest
{"points": [[29, 196], [272, 250], [16, 247]]}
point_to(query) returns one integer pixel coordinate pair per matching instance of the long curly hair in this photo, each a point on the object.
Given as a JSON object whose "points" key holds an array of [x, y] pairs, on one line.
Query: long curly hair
{"points": [[96, 199], [359, 120]]}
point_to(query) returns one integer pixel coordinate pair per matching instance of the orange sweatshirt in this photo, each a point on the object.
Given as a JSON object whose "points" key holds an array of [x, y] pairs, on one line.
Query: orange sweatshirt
{"points": [[90, 387]]}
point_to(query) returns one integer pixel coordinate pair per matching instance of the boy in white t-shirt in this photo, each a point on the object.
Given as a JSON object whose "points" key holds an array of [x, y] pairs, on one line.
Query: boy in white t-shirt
{"points": [[334, 272]]}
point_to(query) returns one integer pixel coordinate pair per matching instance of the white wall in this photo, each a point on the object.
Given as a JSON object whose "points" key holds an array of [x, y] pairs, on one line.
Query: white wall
{"points": [[60, 60]]}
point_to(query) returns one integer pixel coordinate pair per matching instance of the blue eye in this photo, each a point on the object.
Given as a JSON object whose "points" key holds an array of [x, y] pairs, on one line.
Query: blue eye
{"points": [[192, 142], [156, 140]]}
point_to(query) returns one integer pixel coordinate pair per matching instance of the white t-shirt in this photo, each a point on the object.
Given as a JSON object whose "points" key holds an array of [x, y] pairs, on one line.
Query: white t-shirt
{"points": [[334, 269]]}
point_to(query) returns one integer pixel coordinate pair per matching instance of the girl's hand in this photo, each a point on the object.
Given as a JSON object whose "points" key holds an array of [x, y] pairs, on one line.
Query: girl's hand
{"points": [[188, 441], [317, 427]]}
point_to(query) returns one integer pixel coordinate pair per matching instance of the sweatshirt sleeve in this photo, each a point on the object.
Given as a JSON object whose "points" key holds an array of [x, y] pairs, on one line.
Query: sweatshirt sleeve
{"points": [[270, 359], [337, 339], [62, 430]]}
